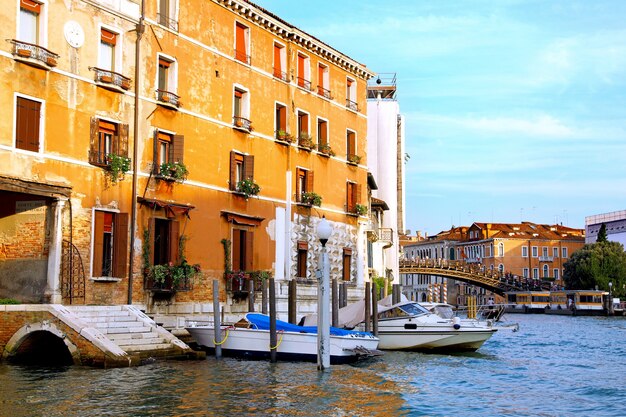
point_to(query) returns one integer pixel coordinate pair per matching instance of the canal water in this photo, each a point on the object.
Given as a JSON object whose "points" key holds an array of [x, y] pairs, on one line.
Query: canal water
{"points": [[553, 366]]}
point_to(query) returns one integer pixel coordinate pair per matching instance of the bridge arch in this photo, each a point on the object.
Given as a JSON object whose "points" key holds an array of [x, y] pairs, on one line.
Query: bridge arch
{"points": [[41, 342]]}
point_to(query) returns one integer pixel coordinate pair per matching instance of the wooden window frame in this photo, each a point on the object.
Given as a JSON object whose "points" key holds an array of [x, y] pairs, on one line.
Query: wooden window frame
{"points": [[280, 65], [280, 117], [119, 142], [346, 261], [170, 251], [28, 123], [175, 150], [241, 167], [304, 182], [118, 241], [303, 118], [322, 134], [350, 143], [242, 43], [353, 196], [302, 256], [242, 254]]}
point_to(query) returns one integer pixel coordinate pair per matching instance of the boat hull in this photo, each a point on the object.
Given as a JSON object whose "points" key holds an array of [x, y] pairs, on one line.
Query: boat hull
{"points": [[255, 344]]}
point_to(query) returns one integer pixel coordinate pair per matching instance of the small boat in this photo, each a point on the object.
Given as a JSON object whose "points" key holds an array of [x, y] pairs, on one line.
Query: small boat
{"points": [[250, 338], [409, 326]]}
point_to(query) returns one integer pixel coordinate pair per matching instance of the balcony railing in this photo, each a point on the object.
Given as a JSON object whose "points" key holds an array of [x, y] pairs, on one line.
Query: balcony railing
{"points": [[110, 78], [242, 123], [324, 92], [34, 54], [168, 22], [352, 105], [168, 98], [281, 75], [242, 56], [546, 259], [98, 158], [385, 234], [306, 84]]}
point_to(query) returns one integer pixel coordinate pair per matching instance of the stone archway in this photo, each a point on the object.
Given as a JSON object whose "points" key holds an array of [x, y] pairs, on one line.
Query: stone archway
{"points": [[36, 330]]}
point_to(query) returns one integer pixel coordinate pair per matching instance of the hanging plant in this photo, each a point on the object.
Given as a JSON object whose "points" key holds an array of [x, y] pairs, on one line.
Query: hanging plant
{"points": [[311, 199], [117, 167], [248, 187], [173, 171]]}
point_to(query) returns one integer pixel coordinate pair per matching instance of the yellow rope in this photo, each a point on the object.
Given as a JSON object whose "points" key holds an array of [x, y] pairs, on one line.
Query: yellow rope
{"points": [[223, 341], [279, 342]]}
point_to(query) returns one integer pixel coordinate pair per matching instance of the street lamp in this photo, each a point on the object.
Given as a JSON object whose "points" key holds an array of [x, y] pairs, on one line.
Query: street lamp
{"points": [[610, 298], [324, 230]]}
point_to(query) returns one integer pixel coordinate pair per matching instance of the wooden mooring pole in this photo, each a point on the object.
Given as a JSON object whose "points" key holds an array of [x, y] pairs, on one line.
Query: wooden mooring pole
{"points": [[374, 309], [273, 339], [292, 299], [335, 303], [264, 297], [216, 319], [368, 306], [251, 295]]}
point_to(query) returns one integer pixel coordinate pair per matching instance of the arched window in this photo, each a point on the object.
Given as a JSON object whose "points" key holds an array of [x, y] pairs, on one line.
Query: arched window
{"points": [[500, 249], [501, 268], [545, 271]]}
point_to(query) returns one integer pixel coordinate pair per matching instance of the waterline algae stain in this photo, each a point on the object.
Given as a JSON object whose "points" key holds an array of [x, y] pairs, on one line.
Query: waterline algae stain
{"points": [[554, 366]]}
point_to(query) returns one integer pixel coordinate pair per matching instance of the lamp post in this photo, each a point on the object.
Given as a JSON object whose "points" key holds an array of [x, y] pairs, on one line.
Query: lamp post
{"points": [[324, 230], [610, 299]]}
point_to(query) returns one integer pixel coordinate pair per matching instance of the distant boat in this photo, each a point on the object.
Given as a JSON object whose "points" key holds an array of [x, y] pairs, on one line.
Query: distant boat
{"points": [[250, 338]]}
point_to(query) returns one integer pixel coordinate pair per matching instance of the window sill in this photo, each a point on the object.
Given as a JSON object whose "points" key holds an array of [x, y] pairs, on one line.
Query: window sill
{"points": [[168, 105], [105, 279]]}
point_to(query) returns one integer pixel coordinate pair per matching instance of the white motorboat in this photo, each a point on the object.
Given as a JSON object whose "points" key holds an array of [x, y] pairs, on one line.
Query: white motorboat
{"points": [[409, 326], [250, 338]]}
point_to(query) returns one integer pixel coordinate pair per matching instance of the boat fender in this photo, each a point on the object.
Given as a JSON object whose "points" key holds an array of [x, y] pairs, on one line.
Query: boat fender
{"points": [[456, 323]]}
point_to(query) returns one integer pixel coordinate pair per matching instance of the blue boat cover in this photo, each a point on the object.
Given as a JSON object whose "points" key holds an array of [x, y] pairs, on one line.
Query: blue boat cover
{"points": [[262, 322]]}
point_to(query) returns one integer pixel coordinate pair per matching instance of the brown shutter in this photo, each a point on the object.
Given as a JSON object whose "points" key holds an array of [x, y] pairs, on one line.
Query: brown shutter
{"points": [[174, 241], [98, 243], [155, 152], [164, 63], [358, 194], [177, 148], [277, 64], [320, 76], [298, 190], [248, 167], [346, 265], [27, 123], [309, 181], [301, 67], [151, 234], [236, 250], [120, 245], [108, 37], [283, 118], [92, 153], [123, 140], [350, 197], [240, 41], [249, 258], [233, 171]]}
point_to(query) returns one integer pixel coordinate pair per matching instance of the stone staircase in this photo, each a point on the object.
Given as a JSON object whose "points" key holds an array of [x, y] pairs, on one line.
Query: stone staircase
{"points": [[131, 330]]}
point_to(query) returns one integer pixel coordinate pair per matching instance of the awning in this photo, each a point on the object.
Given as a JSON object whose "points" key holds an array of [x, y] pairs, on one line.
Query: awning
{"points": [[18, 185], [378, 203], [171, 209], [242, 219]]}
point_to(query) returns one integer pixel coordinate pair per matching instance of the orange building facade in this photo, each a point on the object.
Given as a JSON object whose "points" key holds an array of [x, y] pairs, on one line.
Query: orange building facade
{"points": [[206, 148]]}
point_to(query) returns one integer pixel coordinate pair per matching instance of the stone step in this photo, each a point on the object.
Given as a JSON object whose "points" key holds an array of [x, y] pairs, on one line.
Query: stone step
{"points": [[124, 336], [100, 313], [115, 330], [108, 319], [140, 348], [113, 324], [82, 309], [137, 342]]}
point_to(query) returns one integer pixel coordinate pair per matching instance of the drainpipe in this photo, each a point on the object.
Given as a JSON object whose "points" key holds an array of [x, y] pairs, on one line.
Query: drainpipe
{"points": [[133, 216]]}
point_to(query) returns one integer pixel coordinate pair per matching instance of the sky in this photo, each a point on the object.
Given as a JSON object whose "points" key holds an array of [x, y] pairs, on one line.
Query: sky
{"points": [[515, 109]]}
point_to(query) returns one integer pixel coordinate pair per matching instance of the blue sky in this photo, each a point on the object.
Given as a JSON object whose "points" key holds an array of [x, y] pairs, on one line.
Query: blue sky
{"points": [[515, 109]]}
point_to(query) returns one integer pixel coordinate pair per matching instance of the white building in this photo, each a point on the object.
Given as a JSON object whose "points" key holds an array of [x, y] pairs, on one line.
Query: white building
{"points": [[385, 156], [615, 223]]}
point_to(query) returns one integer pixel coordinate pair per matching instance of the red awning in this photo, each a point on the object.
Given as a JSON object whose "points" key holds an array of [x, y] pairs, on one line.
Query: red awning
{"points": [[171, 209], [242, 219]]}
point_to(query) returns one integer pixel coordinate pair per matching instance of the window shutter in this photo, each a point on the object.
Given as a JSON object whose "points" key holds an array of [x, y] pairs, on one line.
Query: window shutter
{"points": [[177, 149], [248, 167], [27, 123], [309, 181], [155, 152], [93, 140], [31, 5], [301, 67], [282, 111], [98, 243], [277, 64], [151, 234], [120, 245], [320, 76], [358, 194], [233, 171], [236, 250], [174, 241], [350, 197], [164, 63], [240, 42], [123, 140], [108, 37], [249, 251]]}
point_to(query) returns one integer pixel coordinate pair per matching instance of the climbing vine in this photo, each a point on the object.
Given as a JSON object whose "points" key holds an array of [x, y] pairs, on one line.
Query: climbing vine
{"points": [[226, 244]]}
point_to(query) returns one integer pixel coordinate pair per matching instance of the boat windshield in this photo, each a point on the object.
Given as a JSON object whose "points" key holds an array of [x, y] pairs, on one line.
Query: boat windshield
{"points": [[444, 311], [413, 309]]}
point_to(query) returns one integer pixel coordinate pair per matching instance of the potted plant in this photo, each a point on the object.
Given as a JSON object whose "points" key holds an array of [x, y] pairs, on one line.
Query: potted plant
{"points": [[326, 149], [354, 159], [117, 166], [284, 136], [173, 171], [125, 84], [360, 209], [51, 61], [311, 199], [23, 52], [105, 78], [248, 187], [305, 140]]}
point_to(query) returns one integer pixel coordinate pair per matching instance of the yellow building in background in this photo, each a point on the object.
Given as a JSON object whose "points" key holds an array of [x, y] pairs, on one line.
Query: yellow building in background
{"points": [[237, 132]]}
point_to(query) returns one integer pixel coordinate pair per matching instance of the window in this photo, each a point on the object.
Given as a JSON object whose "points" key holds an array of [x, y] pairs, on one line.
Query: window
{"points": [[500, 249], [280, 57], [535, 251], [323, 81], [555, 271], [525, 251], [525, 273], [304, 72], [353, 196], [564, 253], [28, 124], [108, 40], [166, 81], [545, 271], [29, 23], [351, 94], [167, 14], [168, 148], [303, 124], [241, 167], [110, 244], [242, 43], [241, 109], [322, 136], [242, 250], [501, 268], [544, 250], [280, 119], [304, 182], [165, 241], [536, 273], [347, 262], [351, 145], [107, 138], [303, 250], [555, 252]]}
